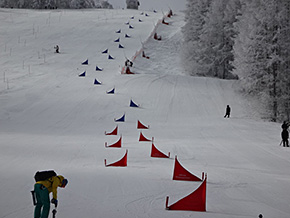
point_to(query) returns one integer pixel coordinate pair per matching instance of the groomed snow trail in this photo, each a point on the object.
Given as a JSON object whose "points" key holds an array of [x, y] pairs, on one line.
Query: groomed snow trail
{"points": [[52, 119]]}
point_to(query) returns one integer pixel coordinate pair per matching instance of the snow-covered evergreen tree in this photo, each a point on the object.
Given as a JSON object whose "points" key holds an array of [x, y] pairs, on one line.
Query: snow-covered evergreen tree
{"points": [[104, 4], [284, 61], [262, 53], [53, 4], [217, 39], [132, 4], [82, 4], [195, 14], [209, 37]]}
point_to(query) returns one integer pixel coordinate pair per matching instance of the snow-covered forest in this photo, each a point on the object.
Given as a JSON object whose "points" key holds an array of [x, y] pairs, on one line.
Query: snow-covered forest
{"points": [[53, 4], [242, 39]]}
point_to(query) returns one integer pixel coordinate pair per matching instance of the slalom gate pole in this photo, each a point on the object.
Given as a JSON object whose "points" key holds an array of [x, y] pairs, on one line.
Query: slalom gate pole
{"points": [[33, 197], [54, 213]]}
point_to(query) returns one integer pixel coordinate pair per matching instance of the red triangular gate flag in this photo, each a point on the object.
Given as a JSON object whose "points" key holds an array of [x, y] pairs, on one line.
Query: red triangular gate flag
{"points": [[117, 144], [142, 138], [196, 201], [141, 125], [119, 163], [180, 173], [128, 71], [114, 132], [156, 153]]}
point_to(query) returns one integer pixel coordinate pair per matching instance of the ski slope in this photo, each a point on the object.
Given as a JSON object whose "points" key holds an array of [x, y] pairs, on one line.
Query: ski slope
{"points": [[50, 118]]}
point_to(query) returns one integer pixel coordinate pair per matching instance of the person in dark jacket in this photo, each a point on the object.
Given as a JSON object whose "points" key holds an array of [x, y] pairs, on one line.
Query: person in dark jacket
{"points": [[128, 63], [285, 137], [285, 125], [228, 112], [56, 49], [285, 134]]}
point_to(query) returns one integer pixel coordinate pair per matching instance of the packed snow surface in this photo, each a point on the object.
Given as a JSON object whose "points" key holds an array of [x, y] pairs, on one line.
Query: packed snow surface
{"points": [[50, 118]]}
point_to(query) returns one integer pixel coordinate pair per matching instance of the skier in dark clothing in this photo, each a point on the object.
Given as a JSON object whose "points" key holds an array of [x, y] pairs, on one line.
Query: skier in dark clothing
{"points": [[228, 112], [285, 134], [128, 63], [285, 125], [56, 49], [285, 137]]}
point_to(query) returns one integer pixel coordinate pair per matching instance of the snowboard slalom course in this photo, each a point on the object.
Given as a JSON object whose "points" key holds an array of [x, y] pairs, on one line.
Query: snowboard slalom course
{"points": [[52, 119]]}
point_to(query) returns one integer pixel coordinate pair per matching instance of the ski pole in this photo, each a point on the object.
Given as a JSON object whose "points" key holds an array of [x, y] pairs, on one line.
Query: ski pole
{"points": [[33, 197], [54, 212], [281, 142]]}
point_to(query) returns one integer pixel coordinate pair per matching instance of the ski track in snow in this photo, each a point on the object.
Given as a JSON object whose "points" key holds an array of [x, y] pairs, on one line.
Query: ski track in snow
{"points": [[52, 119]]}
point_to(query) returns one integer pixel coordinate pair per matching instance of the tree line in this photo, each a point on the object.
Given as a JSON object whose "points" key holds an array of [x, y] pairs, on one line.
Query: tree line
{"points": [[243, 39], [54, 4]]}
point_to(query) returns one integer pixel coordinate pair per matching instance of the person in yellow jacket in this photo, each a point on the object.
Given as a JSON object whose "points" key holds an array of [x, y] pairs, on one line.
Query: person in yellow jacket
{"points": [[42, 190]]}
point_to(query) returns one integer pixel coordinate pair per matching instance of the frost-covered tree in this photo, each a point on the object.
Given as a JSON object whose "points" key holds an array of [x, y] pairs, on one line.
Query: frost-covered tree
{"points": [[104, 4], [283, 34], [52, 4], [132, 4], [209, 37], [262, 53], [82, 4], [217, 39], [195, 14]]}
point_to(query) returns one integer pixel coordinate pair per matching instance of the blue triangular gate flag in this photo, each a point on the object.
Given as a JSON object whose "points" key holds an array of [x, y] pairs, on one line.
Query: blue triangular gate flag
{"points": [[127, 36], [117, 40], [133, 104], [110, 57], [105, 51], [131, 27], [98, 69], [111, 91], [119, 31], [82, 74], [86, 62], [121, 119], [97, 82], [121, 46]]}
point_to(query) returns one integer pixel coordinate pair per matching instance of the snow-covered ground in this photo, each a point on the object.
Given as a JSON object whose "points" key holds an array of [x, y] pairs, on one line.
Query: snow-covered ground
{"points": [[50, 118]]}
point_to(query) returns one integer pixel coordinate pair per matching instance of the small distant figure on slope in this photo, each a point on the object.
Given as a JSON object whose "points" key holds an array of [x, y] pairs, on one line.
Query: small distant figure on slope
{"points": [[228, 112], [128, 64], [260, 215], [285, 134], [56, 49]]}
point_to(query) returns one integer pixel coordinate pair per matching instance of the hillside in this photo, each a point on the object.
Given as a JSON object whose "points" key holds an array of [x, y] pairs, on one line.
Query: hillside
{"points": [[53, 119]]}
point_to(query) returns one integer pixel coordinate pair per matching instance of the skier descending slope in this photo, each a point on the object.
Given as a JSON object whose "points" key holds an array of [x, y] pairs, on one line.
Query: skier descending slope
{"points": [[228, 112]]}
